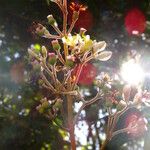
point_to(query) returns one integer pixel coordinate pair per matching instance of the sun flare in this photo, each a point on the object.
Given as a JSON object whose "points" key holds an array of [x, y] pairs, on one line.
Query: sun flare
{"points": [[132, 72]]}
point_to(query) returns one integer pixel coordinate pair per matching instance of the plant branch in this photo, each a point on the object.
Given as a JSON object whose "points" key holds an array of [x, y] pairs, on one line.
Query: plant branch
{"points": [[72, 26], [57, 30], [119, 131], [67, 76], [59, 4], [65, 50], [54, 76], [47, 82], [60, 57], [85, 104], [65, 13], [82, 99], [49, 36]]}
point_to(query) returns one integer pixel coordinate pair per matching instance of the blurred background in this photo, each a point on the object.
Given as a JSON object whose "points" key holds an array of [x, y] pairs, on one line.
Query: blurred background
{"points": [[123, 24]]}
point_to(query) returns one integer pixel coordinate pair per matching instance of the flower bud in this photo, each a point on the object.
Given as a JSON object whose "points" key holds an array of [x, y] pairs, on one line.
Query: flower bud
{"points": [[51, 20], [45, 104], [40, 108], [41, 30], [75, 15], [36, 48], [56, 45], [70, 61], [52, 58], [44, 51]]}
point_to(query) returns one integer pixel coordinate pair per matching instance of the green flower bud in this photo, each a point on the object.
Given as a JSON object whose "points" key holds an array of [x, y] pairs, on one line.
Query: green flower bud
{"points": [[37, 48], [51, 20], [40, 109], [45, 104], [52, 58], [56, 45], [44, 51], [70, 61], [41, 30]]}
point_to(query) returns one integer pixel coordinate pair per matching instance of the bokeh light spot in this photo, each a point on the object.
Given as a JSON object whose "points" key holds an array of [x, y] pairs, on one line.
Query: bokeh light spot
{"points": [[87, 74], [135, 22]]}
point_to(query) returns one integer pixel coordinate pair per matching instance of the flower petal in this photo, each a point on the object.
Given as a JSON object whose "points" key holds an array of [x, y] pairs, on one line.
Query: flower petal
{"points": [[104, 56], [99, 46]]}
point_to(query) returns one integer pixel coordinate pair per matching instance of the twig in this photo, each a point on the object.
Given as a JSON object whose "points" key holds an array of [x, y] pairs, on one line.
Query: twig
{"points": [[120, 131], [49, 72], [85, 56], [109, 120], [82, 99], [49, 36], [47, 82], [67, 76], [54, 75], [79, 69], [60, 57], [71, 26], [59, 4], [48, 87], [65, 50], [70, 93], [87, 103], [65, 13], [57, 30]]}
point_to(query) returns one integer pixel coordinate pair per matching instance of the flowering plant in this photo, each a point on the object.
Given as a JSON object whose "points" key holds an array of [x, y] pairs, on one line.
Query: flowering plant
{"points": [[61, 70]]}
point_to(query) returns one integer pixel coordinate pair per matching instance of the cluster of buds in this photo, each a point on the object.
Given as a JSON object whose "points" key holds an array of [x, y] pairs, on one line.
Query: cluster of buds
{"points": [[49, 107]]}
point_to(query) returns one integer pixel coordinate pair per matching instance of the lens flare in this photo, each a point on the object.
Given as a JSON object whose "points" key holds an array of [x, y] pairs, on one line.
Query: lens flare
{"points": [[132, 73]]}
